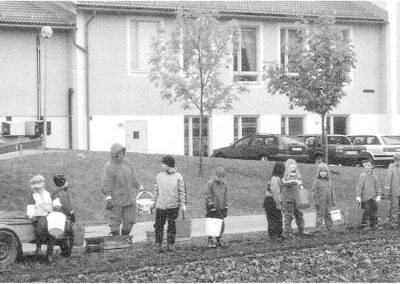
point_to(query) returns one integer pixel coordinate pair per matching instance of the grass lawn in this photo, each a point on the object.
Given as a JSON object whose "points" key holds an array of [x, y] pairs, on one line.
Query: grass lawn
{"points": [[247, 181]]}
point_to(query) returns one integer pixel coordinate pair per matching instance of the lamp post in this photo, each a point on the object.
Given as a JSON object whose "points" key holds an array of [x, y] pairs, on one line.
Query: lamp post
{"points": [[46, 32]]}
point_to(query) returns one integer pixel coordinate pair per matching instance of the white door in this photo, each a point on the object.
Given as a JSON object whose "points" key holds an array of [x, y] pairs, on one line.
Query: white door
{"points": [[136, 136]]}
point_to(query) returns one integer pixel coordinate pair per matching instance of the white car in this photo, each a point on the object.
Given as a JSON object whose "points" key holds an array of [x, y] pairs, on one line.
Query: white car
{"points": [[381, 147]]}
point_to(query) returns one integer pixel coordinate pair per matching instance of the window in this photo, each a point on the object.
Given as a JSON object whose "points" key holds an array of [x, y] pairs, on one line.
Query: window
{"points": [[135, 134], [288, 40], [292, 125], [142, 33], [243, 142], [192, 136], [243, 126], [245, 65], [342, 140], [257, 141], [336, 125]]}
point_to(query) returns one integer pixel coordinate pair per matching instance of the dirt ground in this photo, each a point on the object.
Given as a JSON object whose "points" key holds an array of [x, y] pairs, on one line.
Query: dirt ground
{"points": [[343, 256]]}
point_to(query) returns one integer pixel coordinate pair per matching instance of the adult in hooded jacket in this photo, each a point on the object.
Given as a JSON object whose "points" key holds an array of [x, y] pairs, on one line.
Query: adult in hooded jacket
{"points": [[120, 186]]}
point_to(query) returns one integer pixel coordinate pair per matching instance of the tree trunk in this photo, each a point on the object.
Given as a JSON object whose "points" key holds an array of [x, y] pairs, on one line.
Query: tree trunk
{"points": [[324, 140], [201, 144]]}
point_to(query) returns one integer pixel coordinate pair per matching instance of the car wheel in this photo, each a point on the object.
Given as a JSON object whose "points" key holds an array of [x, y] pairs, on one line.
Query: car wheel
{"points": [[264, 157], [8, 249], [219, 155]]}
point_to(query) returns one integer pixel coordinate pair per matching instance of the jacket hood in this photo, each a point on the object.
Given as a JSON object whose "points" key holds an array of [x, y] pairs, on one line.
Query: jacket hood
{"points": [[115, 149], [322, 167]]}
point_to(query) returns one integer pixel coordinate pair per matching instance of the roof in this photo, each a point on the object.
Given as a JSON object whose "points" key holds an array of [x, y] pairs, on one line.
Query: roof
{"points": [[354, 11], [31, 13]]}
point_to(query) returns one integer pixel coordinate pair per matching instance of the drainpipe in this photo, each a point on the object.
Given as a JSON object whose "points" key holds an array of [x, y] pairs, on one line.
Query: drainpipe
{"points": [[38, 80], [87, 77], [70, 93]]}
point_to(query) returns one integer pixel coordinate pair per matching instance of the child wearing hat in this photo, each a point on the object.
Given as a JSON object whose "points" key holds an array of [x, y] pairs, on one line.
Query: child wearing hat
{"points": [[42, 205], [216, 202], [170, 196], [323, 195], [368, 193], [393, 186]]}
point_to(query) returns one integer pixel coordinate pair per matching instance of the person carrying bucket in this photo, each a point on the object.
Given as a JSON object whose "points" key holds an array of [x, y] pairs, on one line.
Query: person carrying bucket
{"points": [[217, 203], [118, 186], [39, 206], [169, 197]]}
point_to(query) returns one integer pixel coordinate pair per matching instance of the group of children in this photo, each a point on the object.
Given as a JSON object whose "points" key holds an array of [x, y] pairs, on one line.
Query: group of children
{"points": [[283, 189]]}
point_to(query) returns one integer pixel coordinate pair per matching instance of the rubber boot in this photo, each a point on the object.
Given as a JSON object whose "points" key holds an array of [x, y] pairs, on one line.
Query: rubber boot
{"points": [[38, 250], [211, 243], [220, 243], [49, 253]]}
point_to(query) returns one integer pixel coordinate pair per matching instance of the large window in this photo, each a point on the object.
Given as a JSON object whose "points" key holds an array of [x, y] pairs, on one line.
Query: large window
{"points": [[245, 55], [336, 124], [292, 125], [288, 40], [141, 35], [244, 125], [192, 135]]}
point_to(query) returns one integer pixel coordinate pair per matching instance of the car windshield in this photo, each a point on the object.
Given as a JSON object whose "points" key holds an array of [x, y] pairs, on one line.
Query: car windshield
{"points": [[288, 140], [391, 140], [342, 140]]}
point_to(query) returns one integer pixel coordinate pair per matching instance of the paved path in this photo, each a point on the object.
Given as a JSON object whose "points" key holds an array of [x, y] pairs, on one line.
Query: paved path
{"points": [[233, 225], [27, 152]]}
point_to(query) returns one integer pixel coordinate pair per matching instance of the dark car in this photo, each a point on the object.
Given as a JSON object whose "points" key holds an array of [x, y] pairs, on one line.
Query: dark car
{"points": [[340, 149], [264, 147]]}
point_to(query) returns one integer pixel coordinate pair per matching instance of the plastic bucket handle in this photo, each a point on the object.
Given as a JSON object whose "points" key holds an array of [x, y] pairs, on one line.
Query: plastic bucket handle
{"points": [[144, 191]]}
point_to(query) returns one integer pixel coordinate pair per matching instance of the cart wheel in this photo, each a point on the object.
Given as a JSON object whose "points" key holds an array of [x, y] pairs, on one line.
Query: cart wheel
{"points": [[66, 245], [8, 249]]}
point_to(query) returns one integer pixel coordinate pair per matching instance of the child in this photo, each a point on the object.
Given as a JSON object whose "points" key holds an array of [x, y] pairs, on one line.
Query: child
{"points": [[170, 196], [61, 197], [216, 202], [291, 183], [272, 202], [393, 185], [368, 193], [42, 203], [323, 197]]}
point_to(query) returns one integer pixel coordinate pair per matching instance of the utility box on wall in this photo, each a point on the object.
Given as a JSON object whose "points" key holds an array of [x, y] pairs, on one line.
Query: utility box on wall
{"points": [[35, 128], [12, 129]]}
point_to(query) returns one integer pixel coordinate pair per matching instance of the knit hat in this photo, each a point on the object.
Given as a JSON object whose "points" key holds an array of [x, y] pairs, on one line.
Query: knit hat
{"points": [[396, 157], [60, 180], [169, 161], [37, 181], [220, 174]]}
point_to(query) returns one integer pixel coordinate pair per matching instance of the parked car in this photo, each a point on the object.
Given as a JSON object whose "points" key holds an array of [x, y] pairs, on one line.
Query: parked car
{"points": [[340, 149], [264, 147], [380, 147]]}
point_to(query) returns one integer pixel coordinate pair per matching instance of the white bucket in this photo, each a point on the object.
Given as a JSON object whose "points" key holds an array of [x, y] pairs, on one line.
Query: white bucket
{"points": [[213, 227], [336, 215], [56, 223], [144, 206]]}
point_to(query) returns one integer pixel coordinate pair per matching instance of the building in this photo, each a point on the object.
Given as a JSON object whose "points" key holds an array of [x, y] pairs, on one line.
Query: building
{"points": [[114, 101]]}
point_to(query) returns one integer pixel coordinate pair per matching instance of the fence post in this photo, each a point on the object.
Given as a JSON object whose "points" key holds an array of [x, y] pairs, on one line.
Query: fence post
{"points": [[21, 147]]}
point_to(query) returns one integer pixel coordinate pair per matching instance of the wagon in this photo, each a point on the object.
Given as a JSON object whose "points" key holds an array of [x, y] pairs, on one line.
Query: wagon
{"points": [[15, 229]]}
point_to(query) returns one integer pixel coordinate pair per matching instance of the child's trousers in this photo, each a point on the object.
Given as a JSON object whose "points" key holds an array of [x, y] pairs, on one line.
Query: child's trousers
{"points": [[394, 209], [323, 214], [370, 210], [163, 216], [274, 217], [291, 211]]}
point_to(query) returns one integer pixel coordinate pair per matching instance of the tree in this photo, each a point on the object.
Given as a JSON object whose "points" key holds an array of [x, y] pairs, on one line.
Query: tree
{"points": [[319, 62], [186, 63]]}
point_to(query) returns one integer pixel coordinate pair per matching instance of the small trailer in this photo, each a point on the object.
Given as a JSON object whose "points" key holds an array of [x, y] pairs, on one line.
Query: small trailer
{"points": [[15, 229]]}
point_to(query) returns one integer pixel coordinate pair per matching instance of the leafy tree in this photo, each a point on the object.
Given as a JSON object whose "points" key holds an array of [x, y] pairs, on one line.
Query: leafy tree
{"points": [[319, 62], [187, 63]]}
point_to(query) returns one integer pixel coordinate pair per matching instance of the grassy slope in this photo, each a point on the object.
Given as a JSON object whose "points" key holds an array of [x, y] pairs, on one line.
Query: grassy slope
{"points": [[247, 181]]}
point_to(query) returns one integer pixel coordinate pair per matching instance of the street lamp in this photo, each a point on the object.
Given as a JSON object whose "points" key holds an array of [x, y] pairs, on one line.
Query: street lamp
{"points": [[46, 32]]}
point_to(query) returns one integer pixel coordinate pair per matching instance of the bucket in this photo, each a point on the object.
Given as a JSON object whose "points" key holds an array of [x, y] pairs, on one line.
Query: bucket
{"points": [[336, 215], [56, 223], [303, 198], [79, 235], [144, 205], [213, 227]]}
